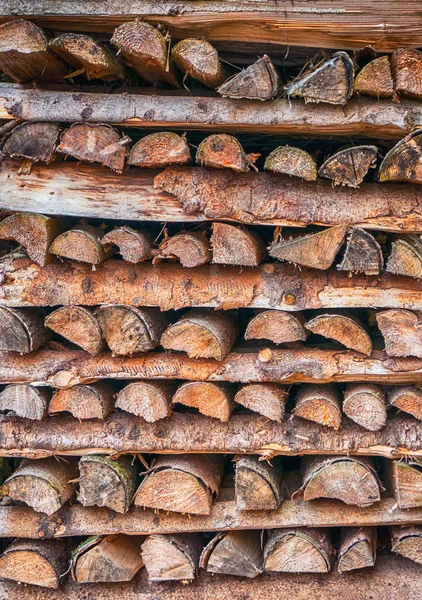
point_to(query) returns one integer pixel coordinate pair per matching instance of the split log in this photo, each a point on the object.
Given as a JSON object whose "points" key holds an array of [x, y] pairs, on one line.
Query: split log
{"points": [[318, 403], [211, 399], [88, 57], [134, 245], [24, 400], [358, 548], [22, 329], [32, 231], [199, 60], [106, 559], [234, 245], [267, 399], [299, 551], [44, 485], [330, 82], [107, 482], [78, 325], [405, 477], [234, 553], [191, 248], [342, 328], [407, 541], [128, 329], [291, 161], [317, 250], [181, 483], [150, 400], [24, 53], [259, 81], [349, 166], [406, 65], [362, 254], [366, 405], [95, 142], [402, 332], [37, 562], [222, 151], [94, 401], [407, 398], [144, 49], [406, 257], [403, 162], [375, 79], [172, 557], [258, 484], [201, 334], [32, 141], [160, 150], [81, 243], [276, 325]]}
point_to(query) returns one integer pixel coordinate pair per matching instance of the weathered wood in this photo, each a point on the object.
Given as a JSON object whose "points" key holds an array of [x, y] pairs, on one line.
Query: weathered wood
{"points": [[362, 254], [160, 150], [375, 79], [276, 325], [172, 557], [291, 161], [34, 232], [94, 401], [403, 161], [133, 245], [349, 166], [267, 399], [150, 400], [234, 245], [21, 329], [319, 403], [78, 325], [191, 248], [402, 332], [407, 398], [258, 484], [406, 65], [298, 551], [366, 405], [358, 548], [24, 400], [211, 399], [33, 141], [259, 81], [405, 478], [317, 250], [406, 257], [342, 328], [81, 243], [198, 59], [407, 541], [222, 151], [234, 553]]}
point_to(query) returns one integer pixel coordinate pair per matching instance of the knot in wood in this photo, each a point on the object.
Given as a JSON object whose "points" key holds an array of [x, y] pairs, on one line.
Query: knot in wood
{"points": [[289, 298], [265, 355]]}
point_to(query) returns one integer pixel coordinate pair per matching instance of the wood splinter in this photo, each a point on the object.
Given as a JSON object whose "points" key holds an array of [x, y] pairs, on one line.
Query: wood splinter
{"points": [[236, 245], [362, 254], [24, 400], [134, 245], [407, 541], [299, 551], [258, 484], [222, 151], [22, 329], [406, 257], [200, 60], [211, 399], [160, 150], [349, 166], [34, 142], [403, 162], [319, 403], [259, 81], [342, 328], [78, 325], [267, 399], [32, 231], [406, 65], [236, 553], [150, 400], [402, 332], [366, 405], [191, 248], [405, 477], [81, 243], [94, 401], [407, 398], [375, 79], [291, 161], [172, 557], [276, 325], [358, 548]]}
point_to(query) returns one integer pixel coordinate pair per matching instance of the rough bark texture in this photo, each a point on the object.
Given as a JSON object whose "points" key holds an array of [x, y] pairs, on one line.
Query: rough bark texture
{"points": [[234, 553], [406, 65], [94, 401], [211, 399], [150, 400], [233, 245], [402, 332], [21, 329], [292, 161], [406, 257], [78, 325], [32, 231], [407, 541], [133, 245], [317, 250], [81, 243], [267, 399], [35, 141], [362, 254], [403, 161], [160, 150], [407, 398], [349, 167], [191, 248], [319, 403], [375, 79], [172, 557], [342, 328], [276, 325], [258, 484], [259, 81], [358, 548], [298, 551], [199, 59], [24, 400], [406, 482], [222, 151], [366, 405]]}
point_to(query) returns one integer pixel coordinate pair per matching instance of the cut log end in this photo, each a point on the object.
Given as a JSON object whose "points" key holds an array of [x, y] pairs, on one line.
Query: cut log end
{"points": [[407, 398], [35, 141], [366, 405], [24, 400], [406, 65], [357, 549], [172, 557], [292, 161], [82, 243], [349, 167], [344, 329], [402, 332], [277, 326], [134, 246], [375, 79], [199, 59], [403, 162], [319, 403], [22, 329], [160, 150], [94, 401], [32, 231], [298, 551], [211, 399], [267, 399], [234, 245], [362, 254], [191, 248], [406, 482], [222, 151], [150, 400], [234, 553], [407, 542], [258, 484], [259, 81], [78, 325], [406, 257]]}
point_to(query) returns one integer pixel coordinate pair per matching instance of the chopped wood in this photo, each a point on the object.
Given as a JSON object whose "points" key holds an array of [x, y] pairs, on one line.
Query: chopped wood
{"points": [[407, 398], [160, 150], [81, 243], [107, 482], [267, 399], [276, 325], [362, 254], [366, 405], [330, 82], [403, 161], [172, 557], [258, 484], [318, 403], [234, 245], [405, 477], [299, 551], [402, 332], [406, 65], [211, 399], [181, 483], [78, 325], [21, 329], [234, 553], [259, 81], [134, 245], [222, 151], [292, 161], [406, 257], [201, 334], [128, 329], [24, 400], [94, 401], [32, 231], [191, 248], [106, 559], [358, 548], [317, 250], [407, 541], [375, 79], [349, 166], [342, 328], [33, 141], [150, 400], [198, 59]]}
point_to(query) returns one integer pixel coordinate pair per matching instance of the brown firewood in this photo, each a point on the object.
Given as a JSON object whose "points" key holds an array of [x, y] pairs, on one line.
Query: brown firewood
{"points": [[358, 548], [144, 49], [330, 82], [291, 161], [258, 484], [95, 142], [128, 329], [259, 81], [24, 400], [317, 250], [342, 328], [407, 398], [150, 400], [81, 243], [191, 248], [366, 405], [211, 399], [405, 477], [107, 482], [44, 485], [94, 401], [406, 65], [37, 562], [267, 399], [276, 325], [106, 559], [234, 553], [182, 483], [402, 332], [134, 245], [160, 150], [172, 557], [319, 403], [22, 329], [349, 166], [351, 480], [299, 551], [234, 245], [375, 79], [32, 141], [362, 254], [403, 162], [199, 60], [222, 151], [24, 53], [407, 541], [202, 333], [406, 257], [78, 325], [32, 231]]}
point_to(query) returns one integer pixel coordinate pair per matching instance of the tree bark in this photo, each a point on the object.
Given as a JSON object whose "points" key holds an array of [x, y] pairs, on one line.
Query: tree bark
{"points": [[233, 245], [150, 400], [258, 484], [366, 405], [402, 332], [236, 553], [134, 245], [299, 551], [317, 250], [358, 548], [211, 399], [78, 325], [342, 328], [267, 399], [32, 231], [362, 254], [24, 400], [172, 557], [94, 401], [319, 403], [191, 248], [348, 167], [259, 81]]}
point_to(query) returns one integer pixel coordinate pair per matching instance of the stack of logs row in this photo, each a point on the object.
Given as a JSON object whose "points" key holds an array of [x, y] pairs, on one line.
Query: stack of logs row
{"points": [[210, 302]]}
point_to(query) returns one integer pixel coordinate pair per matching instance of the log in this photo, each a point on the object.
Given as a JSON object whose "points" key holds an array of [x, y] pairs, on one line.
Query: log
{"points": [[362, 253], [259, 81], [181, 483], [276, 325], [22, 329], [32, 231], [222, 151], [191, 248], [402, 162], [406, 65], [172, 557], [407, 541], [234, 245], [291, 161], [150, 400], [32, 141], [375, 79], [44, 485], [258, 484], [81, 243], [349, 166], [298, 551], [106, 559], [107, 482], [317, 250], [402, 332], [211, 399], [407, 398], [318, 403], [134, 245], [267, 399], [405, 479], [94, 401], [342, 328], [201, 334], [160, 150], [406, 257], [198, 59], [358, 548], [236, 553], [366, 405], [24, 400], [78, 325]]}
